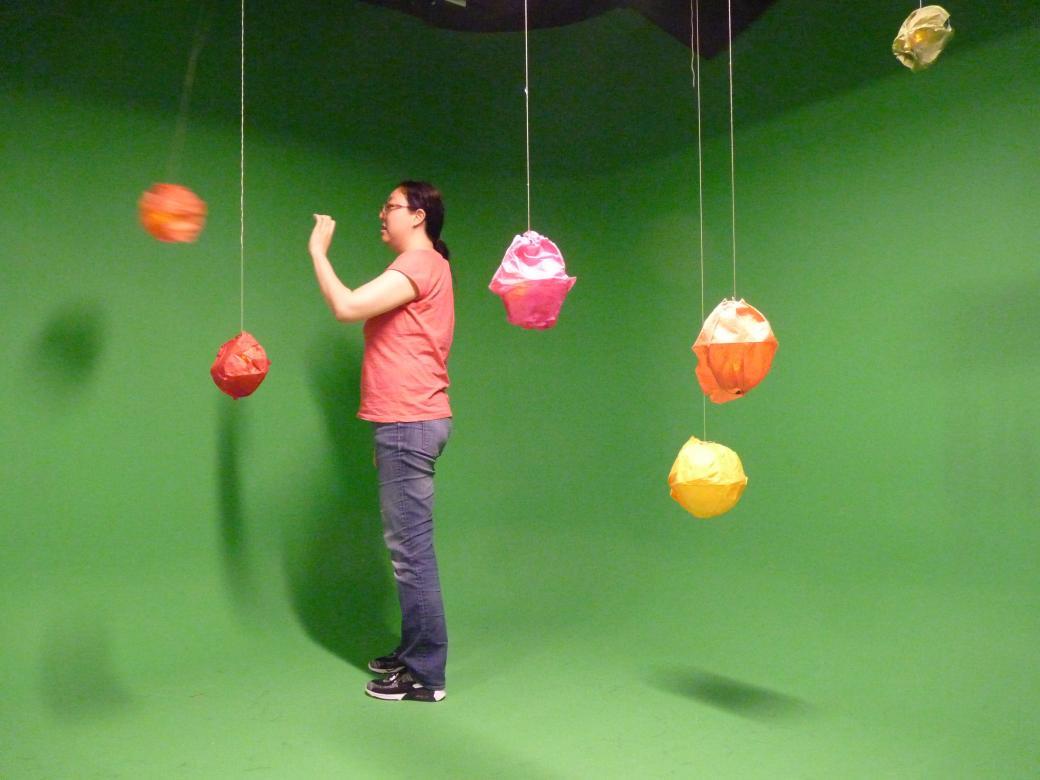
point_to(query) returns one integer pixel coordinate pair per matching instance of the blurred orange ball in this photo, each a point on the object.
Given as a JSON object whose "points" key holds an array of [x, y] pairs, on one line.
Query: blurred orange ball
{"points": [[171, 212]]}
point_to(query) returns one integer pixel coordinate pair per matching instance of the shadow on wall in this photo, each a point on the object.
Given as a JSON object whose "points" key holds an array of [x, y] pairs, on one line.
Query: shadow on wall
{"points": [[229, 500], [65, 354], [78, 680], [337, 565]]}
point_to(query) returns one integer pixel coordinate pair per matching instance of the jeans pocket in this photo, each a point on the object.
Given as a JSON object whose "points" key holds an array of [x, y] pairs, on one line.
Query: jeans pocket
{"points": [[435, 436]]}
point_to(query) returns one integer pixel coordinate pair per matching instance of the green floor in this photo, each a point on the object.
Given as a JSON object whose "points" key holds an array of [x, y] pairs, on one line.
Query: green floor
{"points": [[663, 673]]}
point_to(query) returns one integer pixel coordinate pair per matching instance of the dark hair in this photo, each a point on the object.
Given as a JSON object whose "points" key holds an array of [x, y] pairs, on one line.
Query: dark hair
{"points": [[423, 195]]}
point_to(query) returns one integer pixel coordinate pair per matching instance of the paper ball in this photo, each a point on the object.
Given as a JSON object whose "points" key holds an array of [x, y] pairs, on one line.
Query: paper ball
{"points": [[241, 366], [171, 212], [734, 350], [707, 479], [532, 281], [922, 37]]}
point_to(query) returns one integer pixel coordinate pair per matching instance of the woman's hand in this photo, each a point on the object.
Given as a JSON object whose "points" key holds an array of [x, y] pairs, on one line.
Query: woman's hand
{"points": [[321, 236]]}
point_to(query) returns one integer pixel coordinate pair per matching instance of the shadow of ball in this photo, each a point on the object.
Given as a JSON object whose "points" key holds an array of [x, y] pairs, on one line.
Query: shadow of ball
{"points": [[68, 348]]}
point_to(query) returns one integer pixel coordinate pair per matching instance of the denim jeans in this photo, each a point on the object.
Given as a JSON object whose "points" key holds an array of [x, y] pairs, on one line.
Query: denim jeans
{"points": [[406, 453]]}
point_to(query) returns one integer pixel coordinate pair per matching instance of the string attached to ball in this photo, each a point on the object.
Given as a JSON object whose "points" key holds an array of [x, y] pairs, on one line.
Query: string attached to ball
{"points": [[734, 348], [241, 363], [532, 278]]}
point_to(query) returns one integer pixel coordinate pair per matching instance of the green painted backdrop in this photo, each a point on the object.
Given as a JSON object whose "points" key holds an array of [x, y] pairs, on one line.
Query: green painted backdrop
{"points": [[190, 586]]}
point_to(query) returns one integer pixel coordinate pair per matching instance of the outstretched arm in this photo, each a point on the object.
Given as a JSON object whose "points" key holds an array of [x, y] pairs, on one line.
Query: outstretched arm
{"points": [[387, 291]]}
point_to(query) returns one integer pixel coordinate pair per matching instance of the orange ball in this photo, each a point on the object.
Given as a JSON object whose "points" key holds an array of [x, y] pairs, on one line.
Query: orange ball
{"points": [[171, 212], [734, 350]]}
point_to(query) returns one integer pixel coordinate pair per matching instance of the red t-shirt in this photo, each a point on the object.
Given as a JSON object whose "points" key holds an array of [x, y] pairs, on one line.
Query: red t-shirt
{"points": [[404, 374]]}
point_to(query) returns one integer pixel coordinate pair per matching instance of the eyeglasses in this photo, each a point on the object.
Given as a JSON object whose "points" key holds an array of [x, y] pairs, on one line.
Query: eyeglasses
{"points": [[388, 207]]}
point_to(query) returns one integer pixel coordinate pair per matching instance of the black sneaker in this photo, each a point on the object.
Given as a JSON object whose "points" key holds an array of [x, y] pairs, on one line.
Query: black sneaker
{"points": [[401, 686], [386, 664]]}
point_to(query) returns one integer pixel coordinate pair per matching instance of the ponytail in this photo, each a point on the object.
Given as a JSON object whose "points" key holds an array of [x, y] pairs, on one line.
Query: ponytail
{"points": [[423, 195]]}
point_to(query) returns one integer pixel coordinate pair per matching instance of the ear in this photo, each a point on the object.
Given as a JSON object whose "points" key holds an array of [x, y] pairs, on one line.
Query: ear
{"points": [[418, 217]]}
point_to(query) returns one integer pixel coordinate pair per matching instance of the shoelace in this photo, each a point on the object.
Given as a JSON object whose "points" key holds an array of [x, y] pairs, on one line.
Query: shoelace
{"points": [[402, 676]]}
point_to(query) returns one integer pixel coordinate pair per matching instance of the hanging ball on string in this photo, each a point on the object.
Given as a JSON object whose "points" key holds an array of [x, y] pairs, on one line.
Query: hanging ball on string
{"points": [[734, 350], [241, 366], [707, 478], [923, 37], [171, 212], [532, 282]]}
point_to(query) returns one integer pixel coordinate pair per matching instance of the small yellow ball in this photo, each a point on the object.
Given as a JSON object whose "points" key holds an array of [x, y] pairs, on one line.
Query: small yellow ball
{"points": [[707, 478]]}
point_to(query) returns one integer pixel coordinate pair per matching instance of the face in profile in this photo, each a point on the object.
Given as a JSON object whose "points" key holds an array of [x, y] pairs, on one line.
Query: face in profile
{"points": [[396, 220]]}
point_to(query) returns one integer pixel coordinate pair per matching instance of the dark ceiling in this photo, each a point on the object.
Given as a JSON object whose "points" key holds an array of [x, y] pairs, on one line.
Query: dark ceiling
{"points": [[373, 82], [672, 16]]}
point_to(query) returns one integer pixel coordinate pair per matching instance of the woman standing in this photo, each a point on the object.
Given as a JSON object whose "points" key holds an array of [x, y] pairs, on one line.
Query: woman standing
{"points": [[409, 316]]}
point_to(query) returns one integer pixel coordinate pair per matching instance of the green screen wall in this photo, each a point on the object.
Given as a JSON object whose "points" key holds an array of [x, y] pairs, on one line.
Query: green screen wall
{"points": [[191, 586]]}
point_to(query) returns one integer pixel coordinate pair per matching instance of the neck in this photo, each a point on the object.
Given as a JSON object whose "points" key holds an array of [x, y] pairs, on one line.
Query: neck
{"points": [[417, 241]]}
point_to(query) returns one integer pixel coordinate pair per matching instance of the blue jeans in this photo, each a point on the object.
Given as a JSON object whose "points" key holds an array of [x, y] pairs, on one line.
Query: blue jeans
{"points": [[405, 456]]}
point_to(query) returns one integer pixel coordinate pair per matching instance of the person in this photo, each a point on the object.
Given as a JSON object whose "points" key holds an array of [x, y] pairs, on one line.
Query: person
{"points": [[409, 316]]}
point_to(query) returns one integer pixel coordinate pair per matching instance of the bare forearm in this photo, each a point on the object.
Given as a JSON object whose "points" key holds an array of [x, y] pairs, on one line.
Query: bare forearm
{"points": [[337, 294]]}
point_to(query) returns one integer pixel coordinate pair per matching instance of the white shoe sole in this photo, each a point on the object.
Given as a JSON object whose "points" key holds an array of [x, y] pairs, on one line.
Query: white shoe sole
{"points": [[437, 695]]}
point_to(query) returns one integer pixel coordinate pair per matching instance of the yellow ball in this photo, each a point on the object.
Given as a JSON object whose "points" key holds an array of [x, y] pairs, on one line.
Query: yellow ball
{"points": [[707, 478]]}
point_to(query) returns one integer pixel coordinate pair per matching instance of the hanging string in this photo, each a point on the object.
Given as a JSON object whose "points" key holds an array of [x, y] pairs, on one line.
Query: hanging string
{"points": [[242, 166], [527, 116], [695, 67], [732, 148], [201, 31]]}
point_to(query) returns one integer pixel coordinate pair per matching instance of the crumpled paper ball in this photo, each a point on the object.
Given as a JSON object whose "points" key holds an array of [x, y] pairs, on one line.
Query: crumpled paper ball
{"points": [[707, 478], [241, 366], [734, 350], [532, 281], [171, 212], [922, 37]]}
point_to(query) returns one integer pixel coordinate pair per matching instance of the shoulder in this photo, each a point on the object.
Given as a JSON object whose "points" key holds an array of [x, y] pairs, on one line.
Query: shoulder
{"points": [[424, 262], [420, 256], [426, 268]]}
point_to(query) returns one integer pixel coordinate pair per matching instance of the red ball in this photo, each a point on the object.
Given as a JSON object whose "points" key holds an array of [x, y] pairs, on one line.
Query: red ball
{"points": [[171, 212], [241, 366]]}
